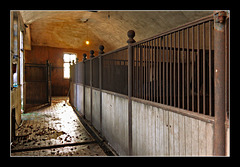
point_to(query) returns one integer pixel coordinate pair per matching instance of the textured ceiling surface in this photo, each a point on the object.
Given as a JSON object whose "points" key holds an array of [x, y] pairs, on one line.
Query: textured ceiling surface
{"points": [[70, 29]]}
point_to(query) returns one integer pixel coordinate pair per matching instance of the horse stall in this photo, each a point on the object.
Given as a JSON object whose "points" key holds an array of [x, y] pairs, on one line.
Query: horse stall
{"points": [[167, 95]]}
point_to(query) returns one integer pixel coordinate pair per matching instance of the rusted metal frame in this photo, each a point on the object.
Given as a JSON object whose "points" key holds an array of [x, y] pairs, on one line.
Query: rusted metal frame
{"points": [[114, 51], [167, 62], [177, 110], [163, 70], [193, 96], [204, 77], [219, 83], [178, 82], [183, 62], [198, 69], [188, 85], [179, 28]]}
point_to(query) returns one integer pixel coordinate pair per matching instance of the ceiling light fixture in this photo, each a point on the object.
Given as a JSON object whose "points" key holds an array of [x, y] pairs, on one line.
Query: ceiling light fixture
{"points": [[87, 41]]}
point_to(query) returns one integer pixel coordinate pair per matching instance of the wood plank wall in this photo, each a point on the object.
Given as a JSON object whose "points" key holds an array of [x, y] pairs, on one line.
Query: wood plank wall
{"points": [[39, 55], [161, 132], [155, 131]]}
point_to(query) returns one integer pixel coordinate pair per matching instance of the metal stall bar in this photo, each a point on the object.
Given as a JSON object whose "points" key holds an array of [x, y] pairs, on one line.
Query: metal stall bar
{"points": [[193, 83], [219, 83], [204, 78], [183, 77], [188, 73], [167, 87], [170, 55], [198, 70], [210, 70]]}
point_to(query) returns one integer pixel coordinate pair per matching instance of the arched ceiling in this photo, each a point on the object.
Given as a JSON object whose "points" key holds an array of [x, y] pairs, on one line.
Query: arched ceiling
{"points": [[70, 29]]}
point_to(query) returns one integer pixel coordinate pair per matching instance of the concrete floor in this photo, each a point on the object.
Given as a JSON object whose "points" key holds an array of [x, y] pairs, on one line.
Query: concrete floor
{"points": [[54, 131]]}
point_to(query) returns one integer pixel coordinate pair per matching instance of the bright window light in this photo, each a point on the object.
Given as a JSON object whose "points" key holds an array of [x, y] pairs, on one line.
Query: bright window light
{"points": [[68, 57]]}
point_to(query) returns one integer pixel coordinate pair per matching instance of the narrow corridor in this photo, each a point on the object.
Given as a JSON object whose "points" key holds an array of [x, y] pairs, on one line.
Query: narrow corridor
{"points": [[54, 131]]}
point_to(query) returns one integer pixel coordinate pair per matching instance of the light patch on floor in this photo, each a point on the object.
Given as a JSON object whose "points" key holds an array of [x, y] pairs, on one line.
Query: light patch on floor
{"points": [[53, 127]]}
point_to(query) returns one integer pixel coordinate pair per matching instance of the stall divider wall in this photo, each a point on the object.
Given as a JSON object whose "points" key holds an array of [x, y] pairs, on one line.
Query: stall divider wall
{"points": [[156, 97]]}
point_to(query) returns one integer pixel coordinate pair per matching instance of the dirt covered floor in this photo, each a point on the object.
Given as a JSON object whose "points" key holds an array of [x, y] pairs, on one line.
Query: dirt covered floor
{"points": [[54, 131]]}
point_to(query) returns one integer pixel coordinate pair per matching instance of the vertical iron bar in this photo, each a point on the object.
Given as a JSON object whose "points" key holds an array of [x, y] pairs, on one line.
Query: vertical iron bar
{"points": [[148, 73], [210, 70], [174, 71], [193, 96], [137, 80], [160, 70], [198, 71], [183, 77], [145, 71], [157, 77], [178, 69], [167, 71], [100, 87], [154, 65], [170, 50], [91, 80], [204, 69], [164, 70], [188, 69], [151, 76], [141, 72]]}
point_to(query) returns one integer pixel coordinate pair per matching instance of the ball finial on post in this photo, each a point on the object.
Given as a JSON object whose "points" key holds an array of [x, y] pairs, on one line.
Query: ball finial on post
{"points": [[131, 35], [91, 53], [101, 47], [84, 56]]}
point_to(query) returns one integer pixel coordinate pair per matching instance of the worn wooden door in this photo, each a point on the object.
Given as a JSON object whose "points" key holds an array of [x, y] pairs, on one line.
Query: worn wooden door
{"points": [[38, 83]]}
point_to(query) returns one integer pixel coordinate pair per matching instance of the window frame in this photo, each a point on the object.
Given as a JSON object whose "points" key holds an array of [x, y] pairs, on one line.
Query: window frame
{"points": [[73, 53]]}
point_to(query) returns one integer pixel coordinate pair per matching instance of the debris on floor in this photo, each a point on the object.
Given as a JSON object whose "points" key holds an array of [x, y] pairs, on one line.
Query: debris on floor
{"points": [[50, 127]]}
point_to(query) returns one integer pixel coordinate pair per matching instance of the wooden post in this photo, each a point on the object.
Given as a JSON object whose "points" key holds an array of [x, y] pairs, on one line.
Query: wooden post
{"points": [[84, 75], [101, 47], [130, 35], [219, 83], [91, 80]]}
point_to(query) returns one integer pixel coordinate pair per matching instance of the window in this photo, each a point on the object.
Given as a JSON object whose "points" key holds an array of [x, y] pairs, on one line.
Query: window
{"points": [[67, 59], [15, 52]]}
